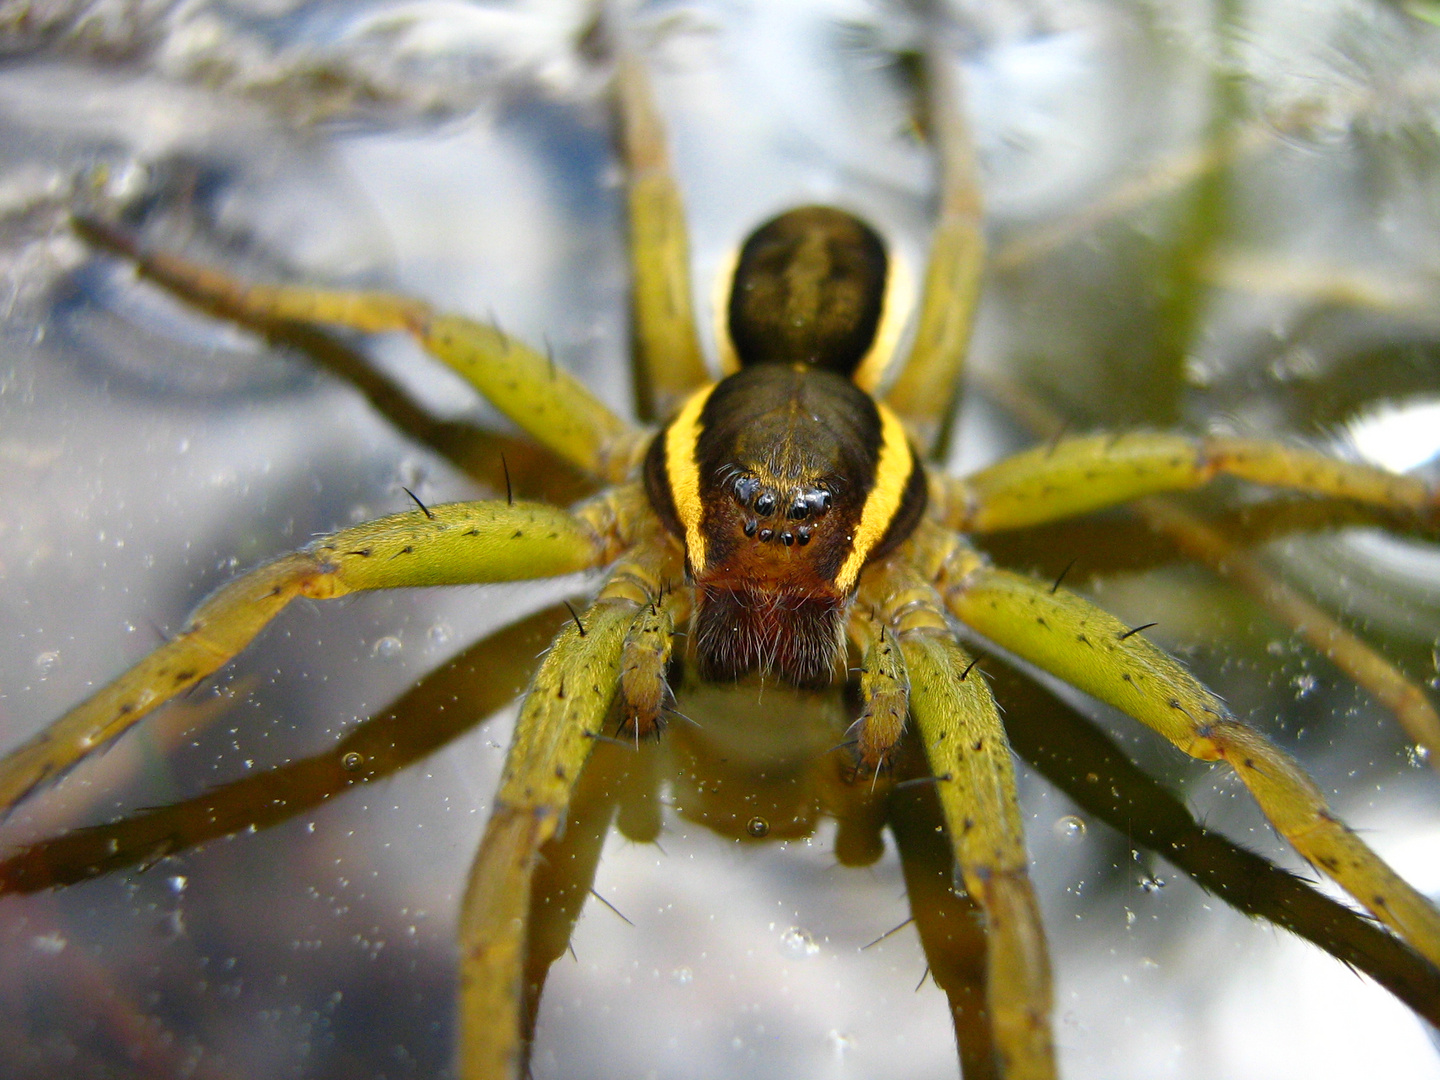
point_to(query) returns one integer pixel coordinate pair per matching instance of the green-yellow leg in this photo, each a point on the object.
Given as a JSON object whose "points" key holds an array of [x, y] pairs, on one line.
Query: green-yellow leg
{"points": [[969, 755], [564, 875], [927, 390], [1354, 657], [1071, 638], [549, 404], [563, 712], [950, 925], [1207, 545], [667, 348], [1078, 475], [456, 544], [565, 708], [444, 704]]}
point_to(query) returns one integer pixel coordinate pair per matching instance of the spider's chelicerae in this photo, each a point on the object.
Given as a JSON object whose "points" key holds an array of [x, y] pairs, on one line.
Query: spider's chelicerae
{"points": [[768, 539]]}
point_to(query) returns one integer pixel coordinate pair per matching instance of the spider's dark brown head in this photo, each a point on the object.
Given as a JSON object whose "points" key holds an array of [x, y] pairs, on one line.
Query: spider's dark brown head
{"points": [[783, 481]]}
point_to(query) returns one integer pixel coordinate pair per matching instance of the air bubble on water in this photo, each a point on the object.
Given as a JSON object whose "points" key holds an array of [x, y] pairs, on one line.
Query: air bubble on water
{"points": [[388, 647], [1151, 884], [412, 473], [1417, 755], [1198, 373], [45, 663], [799, 942], [1070, 827], [51, 944], [439, 634], [351, 761], [758, 827], [682, 976], [1304, 686], [177, 883]]}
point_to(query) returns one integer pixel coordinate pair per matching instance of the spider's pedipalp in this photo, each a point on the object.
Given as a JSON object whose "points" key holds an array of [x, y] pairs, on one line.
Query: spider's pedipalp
{"points": [[644, 692], [885, 693], [456, 544], [1092, 650]]}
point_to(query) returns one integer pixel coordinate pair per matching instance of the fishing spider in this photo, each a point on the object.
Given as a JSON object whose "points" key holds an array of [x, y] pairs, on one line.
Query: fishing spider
{"points": [[786, 518]]}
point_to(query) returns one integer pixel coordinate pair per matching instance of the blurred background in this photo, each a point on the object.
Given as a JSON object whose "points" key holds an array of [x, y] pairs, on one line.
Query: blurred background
{"points": [[1210, 216]]}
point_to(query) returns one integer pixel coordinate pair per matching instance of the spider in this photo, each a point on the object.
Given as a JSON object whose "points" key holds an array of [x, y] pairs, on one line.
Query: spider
{"points": [[876, 748]]}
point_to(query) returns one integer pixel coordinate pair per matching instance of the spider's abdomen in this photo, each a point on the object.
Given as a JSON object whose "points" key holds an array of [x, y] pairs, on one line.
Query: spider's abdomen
{"points": [[783, 481], [809, 288]]}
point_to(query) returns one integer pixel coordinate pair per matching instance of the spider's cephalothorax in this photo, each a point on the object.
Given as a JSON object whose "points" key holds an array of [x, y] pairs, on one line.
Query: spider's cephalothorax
{"points": [[785, 478]]}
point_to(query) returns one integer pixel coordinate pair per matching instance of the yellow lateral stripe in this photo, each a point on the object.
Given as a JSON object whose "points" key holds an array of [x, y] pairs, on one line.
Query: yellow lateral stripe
{"points": [[894, 315], [892, 473], [720, 304], [683, 474]]}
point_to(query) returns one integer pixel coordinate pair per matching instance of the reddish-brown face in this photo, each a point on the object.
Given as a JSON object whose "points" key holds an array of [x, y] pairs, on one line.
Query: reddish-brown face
{"points": [[783, 481]]}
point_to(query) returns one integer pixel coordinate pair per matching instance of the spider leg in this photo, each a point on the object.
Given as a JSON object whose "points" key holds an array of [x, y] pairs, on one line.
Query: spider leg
{"points": [[455, 544], [549, 404], [1078, 475], [1362, 663], [926, 392], [959, 725], [457, 697], [1095, 652], [949, 923], [1209, 545], [669, 363], [563, 711], [565, 870]]}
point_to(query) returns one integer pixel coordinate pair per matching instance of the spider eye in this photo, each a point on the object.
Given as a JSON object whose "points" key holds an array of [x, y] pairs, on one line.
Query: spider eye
{"points": [[765, 504], [745, 489], [799, 509]]}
